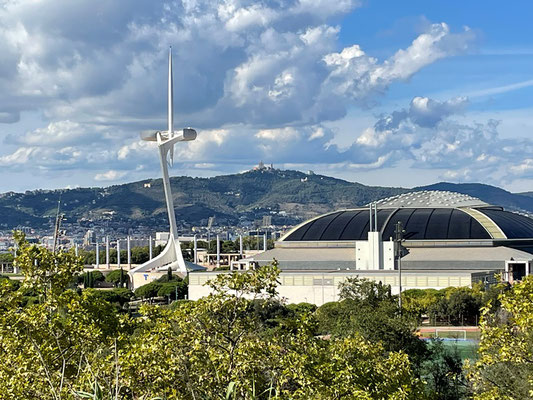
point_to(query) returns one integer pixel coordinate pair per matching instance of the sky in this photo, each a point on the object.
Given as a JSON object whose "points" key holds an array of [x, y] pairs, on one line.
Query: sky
{"points": [[385, 93]]}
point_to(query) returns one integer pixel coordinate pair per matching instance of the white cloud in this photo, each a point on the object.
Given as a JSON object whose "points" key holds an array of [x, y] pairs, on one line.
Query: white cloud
{"points": [[236, 61], [258, 80], [110, 175], [61, 133], [358, 76]]}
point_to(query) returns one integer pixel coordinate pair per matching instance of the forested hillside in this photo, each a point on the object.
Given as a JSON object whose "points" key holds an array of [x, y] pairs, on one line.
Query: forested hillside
{"points": [[289, 196]]}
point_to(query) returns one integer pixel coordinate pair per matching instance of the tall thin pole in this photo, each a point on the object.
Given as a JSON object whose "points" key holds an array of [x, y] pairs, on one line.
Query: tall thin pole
{"points": [[370, 226], [97, 255], [129, 252], [76, 252], [118, 253], [170, 95], [57, 224], [399, 238], [107, 251], [265, 242], [195, 260], [240, 246], [400, 276], [150, 251], [375, 217], [218, 251]]}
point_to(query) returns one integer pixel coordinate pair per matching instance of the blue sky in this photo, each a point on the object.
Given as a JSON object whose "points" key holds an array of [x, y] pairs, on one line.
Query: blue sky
{"points": [[378, 92]]}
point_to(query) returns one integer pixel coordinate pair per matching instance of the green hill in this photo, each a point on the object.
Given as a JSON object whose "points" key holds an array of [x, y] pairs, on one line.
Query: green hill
{"points": [[289, 196]]}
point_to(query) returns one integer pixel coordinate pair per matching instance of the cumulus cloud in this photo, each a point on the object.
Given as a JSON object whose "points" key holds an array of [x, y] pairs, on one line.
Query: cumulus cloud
{"points": [[358, 76], [63, 145], [428, 136], [110, 175], [259, 80], [237, 61], [61, 133]]}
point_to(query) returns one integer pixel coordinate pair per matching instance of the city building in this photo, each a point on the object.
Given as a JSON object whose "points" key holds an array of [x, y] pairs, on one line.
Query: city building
{"points": [[447, 239], [89, 238]]}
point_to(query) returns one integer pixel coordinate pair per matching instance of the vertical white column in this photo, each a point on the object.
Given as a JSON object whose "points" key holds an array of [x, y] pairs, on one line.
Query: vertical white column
{"points": [[97, 255], [265, 242], [195, 256], [218, 251], [118, 253], [129, 252], [76, 249], [376, 217], [150, 244], [107, 251], [370, 223], [241, 252]]}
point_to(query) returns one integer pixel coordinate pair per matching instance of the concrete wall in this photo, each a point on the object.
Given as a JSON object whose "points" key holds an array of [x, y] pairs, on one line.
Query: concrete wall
{"points": [[142, 278], [319, 288]]}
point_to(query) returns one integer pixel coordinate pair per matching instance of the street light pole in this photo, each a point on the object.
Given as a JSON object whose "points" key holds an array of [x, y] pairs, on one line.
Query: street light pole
{"points": [[398, 233]]}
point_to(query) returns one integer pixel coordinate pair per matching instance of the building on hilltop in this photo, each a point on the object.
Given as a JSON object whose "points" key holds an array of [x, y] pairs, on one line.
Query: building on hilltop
{"points": [[449, 239], [263, 167]]}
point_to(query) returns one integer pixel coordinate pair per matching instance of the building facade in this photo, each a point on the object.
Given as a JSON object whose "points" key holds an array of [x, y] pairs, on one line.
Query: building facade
{"points": [[447, 239]]}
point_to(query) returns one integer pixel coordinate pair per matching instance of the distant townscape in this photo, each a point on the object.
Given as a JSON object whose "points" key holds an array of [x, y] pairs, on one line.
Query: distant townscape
{"points": [[228, 205]]}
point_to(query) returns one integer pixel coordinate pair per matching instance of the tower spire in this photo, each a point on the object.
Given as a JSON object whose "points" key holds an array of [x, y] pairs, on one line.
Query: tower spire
{"points": [[170, 96]]}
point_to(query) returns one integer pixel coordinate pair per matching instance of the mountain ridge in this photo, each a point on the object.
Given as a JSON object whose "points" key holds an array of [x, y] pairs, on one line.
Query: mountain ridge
{"points": [[288, 196]]}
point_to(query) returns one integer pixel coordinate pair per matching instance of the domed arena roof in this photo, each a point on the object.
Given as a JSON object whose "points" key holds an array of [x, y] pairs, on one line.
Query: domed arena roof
{"points": [[427, 215]]}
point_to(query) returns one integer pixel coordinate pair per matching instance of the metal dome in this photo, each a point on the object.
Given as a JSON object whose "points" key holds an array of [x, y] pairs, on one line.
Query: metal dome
{"points": [[428, 215]]}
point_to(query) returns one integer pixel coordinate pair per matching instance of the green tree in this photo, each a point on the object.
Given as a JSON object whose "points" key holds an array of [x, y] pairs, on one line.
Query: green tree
{"points": [[216, 347], [148, 291], [89, 278], [117, 277], [443, 373], [140, 254], [117, 296], [367, 308], [505, 366], [239, 342], [173, 290], [49, 347], [6, 257], [457, 306]]}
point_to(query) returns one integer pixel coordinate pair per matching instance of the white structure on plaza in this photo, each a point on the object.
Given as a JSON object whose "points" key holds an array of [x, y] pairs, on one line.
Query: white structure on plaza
{"points": [[171, 255]]}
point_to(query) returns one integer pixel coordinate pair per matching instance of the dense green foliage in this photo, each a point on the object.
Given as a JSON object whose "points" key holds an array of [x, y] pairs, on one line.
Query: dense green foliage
{"points": [[118, 277], [170, 286], [90, 278], [242, 342], [6, 257], [231, 343], [504, 370], [453, 305]]}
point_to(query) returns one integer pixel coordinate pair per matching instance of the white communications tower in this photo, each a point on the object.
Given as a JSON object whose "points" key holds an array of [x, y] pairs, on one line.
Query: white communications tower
{"points": [[171, 255]]}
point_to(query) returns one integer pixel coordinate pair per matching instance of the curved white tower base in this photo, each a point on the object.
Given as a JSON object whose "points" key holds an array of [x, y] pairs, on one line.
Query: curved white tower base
{"points": [[171, 255]]}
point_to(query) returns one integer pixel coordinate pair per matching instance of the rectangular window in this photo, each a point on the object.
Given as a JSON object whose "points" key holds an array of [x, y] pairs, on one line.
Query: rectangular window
{"points": [[288, 280], [443, 281], [421, 281], [308, 280], [455, 281], [433, 281]]}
